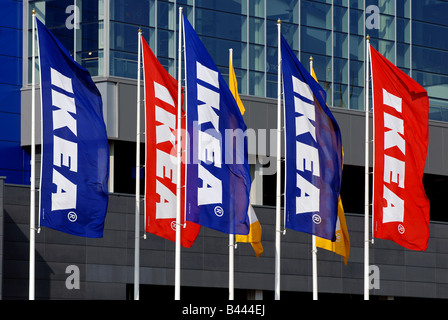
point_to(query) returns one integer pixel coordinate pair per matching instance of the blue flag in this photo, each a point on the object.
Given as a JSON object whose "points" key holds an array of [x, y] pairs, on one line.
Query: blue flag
{"points": [[75, 152], [218, 179], [313, 152]]}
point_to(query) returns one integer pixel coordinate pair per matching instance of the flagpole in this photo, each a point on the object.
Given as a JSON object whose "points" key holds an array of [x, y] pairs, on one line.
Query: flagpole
{"points": [[231, 241], [33, 164], [178, 194], [137, 180], [278, 190], [366, 179], [314, 248]]}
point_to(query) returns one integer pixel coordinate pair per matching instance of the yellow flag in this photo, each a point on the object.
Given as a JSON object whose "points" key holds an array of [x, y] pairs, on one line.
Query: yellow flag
{"points": [[233, 85], [342, 244], [254, 236]]}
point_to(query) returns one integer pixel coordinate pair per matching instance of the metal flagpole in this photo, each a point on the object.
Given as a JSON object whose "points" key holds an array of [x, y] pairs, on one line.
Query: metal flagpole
{"points": [[179, 189], [278, 191], [33, 164], [231, 242], [366, 178], [231, 266], [314, 248], [137, 180]]}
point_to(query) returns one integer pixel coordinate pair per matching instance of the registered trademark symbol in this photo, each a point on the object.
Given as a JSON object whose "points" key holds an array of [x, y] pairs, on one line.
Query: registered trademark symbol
{"points": [[219, 211], [316, 218], [401, 229], [72, 217]]}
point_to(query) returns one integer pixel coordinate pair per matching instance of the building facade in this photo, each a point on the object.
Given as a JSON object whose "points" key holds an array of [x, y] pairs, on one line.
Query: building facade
{"points": [[102, 36]]}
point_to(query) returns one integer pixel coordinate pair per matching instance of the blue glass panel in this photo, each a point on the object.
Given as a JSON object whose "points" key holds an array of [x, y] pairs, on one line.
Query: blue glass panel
{"points": [[9, 98], [429, 35], [136, 12], [429, 60], [285, 10], [220, 25], [315, 40], [11, 70], [430, 11], [10, 42], [234, 6], [315, 14], [10, 127]]}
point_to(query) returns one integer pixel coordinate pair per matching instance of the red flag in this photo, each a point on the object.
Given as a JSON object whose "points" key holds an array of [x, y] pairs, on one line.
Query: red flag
{"points": [[161, 153], [400, 205]]}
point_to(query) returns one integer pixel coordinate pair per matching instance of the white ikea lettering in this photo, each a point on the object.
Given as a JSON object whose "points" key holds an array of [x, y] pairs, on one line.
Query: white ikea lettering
{"points": [[211, 190], [307, 156], [166, 208], [65, 196], [61, 81], [394, 211], [209, 147], [163, 94], [168, 123], [166, 164], [210, 103], [308, 201], [65, 152], [62, 117], [392, 137], [394, 169]]}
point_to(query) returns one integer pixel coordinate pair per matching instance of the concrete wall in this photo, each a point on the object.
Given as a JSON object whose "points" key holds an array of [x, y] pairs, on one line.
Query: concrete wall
{"points": [[106, 264]]}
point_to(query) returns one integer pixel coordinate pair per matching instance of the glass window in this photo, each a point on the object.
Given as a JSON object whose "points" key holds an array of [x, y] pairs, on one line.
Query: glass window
{"points": [[256, 8], [430, 11], [289, 32], [403, 8], [256, 30], [340, 96], [340, 45], [433, 83], [256, 57], [285, 10], [234, 6], [357, 4], [256, 83], [340, 19], [165, 15], [135, 12], [220, 25], [356, 47], [321, 65], [356, 22], [429, 35], [315, 40], [403, 30], [429, 60], [219, 51], [356, 98], [340, 70], [403, 55], [316, 14], [357, 73]]}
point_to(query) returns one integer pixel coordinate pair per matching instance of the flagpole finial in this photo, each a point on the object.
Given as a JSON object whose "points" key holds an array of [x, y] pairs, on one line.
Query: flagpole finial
{"points": [[311, 58], [368, 37], [33, 11], [279, 21], [139, 30]]}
